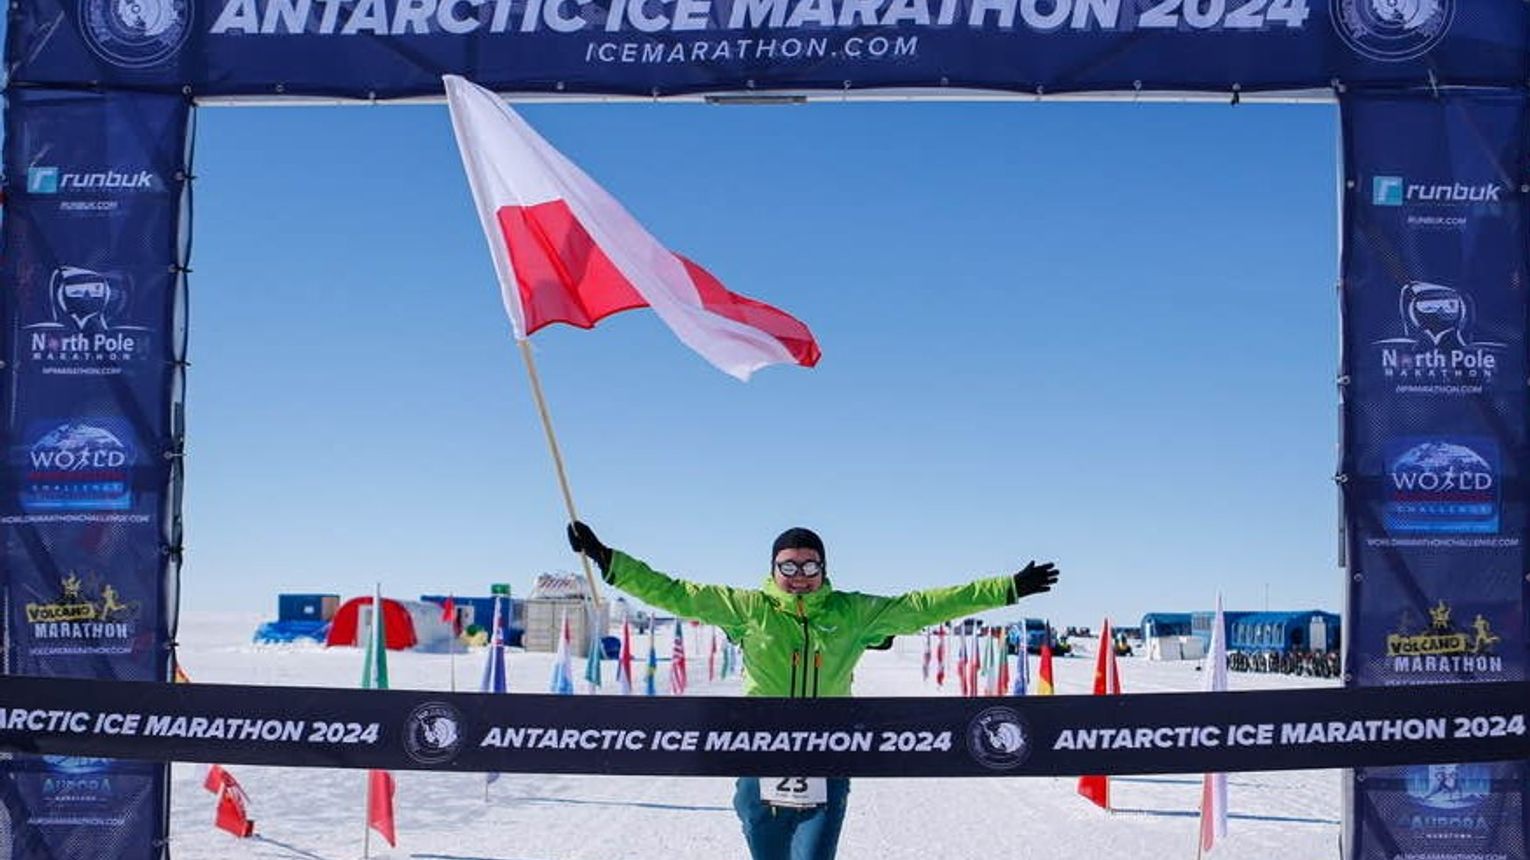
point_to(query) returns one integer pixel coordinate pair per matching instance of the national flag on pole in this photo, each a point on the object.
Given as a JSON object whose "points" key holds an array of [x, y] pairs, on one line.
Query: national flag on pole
{"points": [[374, 676], [494, 668], [1214, 785], [566, 251], [380, 805], [1022, 665], [712, 658], [1001, 647], [1044, 667], [961, 663], [597, 650], [624, 660], [562, 682], [1107, 682], [973, 663], [651, 671], [925, 670], [677, 674], [940, 656], [449, 611]]}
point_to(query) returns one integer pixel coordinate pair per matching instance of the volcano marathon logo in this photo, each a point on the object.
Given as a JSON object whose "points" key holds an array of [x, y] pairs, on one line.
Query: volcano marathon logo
{"points": [[135, 34], [78, 466], [1442, 486], [85, 332], [1444, 648], [998, 739], [83, 618], [1447, 801], [1435, 352], [1392, 30], [433, 733]]}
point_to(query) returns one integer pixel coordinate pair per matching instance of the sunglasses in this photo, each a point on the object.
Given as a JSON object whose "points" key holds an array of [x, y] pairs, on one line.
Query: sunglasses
{"points": [[793, 568]]}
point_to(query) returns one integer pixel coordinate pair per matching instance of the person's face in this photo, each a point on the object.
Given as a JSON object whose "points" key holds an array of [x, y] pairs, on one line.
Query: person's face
{"points": [[801, 583]]}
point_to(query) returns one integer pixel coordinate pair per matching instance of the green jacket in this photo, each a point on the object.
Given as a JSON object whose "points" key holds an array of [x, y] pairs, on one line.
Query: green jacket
{"points": [[804, 645]]}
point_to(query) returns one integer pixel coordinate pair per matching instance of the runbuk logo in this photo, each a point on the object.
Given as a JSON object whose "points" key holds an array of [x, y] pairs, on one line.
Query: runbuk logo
{"points": [[1396, 191], [52, 180]]}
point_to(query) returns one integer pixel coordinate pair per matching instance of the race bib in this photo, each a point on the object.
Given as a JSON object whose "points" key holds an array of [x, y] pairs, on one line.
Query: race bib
{"points": [[803, 792]]}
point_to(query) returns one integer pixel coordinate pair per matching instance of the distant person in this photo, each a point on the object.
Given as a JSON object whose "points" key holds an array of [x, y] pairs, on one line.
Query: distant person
{"points": [[801, 638]]}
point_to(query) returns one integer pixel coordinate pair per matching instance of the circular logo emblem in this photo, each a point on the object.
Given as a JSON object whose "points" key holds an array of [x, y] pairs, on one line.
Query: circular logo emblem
{"points": [[1390, 30], [433, 733], [135, 34], [998, 739]]}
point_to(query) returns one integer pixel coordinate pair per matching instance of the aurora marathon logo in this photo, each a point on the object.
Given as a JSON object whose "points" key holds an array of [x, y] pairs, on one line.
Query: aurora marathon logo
{"points": [[135, 34], [1392, 30], [1448, 801], [998, 739]]}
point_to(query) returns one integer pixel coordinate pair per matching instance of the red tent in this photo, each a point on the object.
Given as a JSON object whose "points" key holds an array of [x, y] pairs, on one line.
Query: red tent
{"points": [[344, 627]]}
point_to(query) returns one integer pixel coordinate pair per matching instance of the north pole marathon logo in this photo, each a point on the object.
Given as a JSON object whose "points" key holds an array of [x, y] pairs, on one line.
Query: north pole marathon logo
{"points": [[433, 733], [1442, 486], [998, 739], [78, 466], [1435, 352], [135, 34], [1392, 30], [1443, 647], [86, 617], [85, 332]]}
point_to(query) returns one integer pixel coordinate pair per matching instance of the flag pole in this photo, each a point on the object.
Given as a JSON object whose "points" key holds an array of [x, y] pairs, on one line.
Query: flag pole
{"points": [[557, 456]]}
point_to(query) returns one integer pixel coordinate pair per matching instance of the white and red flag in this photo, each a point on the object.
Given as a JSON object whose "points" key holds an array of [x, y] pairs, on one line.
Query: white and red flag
{"points": [[1214, 785], [566, 251]]}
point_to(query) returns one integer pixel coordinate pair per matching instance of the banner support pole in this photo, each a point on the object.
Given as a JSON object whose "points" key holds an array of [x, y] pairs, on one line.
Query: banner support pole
{"points": [[557, 457]]}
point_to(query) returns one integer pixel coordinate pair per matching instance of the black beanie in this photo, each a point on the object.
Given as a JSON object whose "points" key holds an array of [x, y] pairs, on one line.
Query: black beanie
{"points": [[798, 538]]}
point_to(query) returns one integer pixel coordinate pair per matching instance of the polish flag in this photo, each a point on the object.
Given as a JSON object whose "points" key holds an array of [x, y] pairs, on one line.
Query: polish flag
{"points": [[566, 251]]}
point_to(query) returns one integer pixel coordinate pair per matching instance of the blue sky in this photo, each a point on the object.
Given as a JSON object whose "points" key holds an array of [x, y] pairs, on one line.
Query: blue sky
{"points": [[1103, 334]]}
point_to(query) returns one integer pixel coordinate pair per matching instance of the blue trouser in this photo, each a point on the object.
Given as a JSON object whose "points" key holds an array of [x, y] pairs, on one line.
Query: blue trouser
{"points": [[783, 833]]}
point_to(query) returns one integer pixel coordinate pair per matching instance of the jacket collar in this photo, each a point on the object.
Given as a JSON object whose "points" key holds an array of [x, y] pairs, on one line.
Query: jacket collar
{"points": [[788, 601]]}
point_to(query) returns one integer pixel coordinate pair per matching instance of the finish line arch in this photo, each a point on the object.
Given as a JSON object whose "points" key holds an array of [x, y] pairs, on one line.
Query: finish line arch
{"points": [[102, 97]]}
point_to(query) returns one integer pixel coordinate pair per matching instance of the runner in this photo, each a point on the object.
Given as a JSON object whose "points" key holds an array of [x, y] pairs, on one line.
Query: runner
{"points": [[801, 638]]}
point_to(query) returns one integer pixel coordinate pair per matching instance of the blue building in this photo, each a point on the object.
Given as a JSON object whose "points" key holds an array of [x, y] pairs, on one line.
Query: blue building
{"points": [[1280, 632]]}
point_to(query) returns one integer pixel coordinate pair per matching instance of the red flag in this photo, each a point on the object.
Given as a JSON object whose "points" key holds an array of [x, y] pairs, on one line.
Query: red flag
{"points": [[1107, 682], [566, 251], [232, 814], [1003, 649], [1044, 686], [380, 804], [215, 776], [449, 611]]}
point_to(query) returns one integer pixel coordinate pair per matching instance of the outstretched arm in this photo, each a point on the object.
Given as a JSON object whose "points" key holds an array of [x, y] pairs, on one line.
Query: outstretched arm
{"points": [[714, 604], [908, 613]]}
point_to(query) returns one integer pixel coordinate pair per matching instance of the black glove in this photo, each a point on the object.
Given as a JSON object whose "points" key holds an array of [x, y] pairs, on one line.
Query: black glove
{"points": [[1035, 579], [581, 538]]}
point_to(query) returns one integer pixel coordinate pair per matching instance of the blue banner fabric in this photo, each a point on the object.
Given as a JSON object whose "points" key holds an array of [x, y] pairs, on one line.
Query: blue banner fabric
{"points": [[398, 48], [91, 282], [1434, 451]]}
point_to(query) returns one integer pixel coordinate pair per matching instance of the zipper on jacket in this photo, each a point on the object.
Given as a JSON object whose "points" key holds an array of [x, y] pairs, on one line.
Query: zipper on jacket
{"points": [[817, 670], [796, 656], [807, 648]]}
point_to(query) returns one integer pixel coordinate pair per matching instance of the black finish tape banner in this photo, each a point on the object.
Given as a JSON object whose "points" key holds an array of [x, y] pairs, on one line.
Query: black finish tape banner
{"points": [[1027, 736]]}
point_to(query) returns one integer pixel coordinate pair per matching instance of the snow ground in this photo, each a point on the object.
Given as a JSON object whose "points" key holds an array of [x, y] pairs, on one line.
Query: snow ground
{"points": [[311, 814]]}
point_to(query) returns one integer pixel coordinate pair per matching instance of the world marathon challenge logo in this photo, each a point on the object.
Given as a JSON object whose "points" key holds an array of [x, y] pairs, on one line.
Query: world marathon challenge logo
{"points": [[1442, 486], [85, 331], [81, 466], [1435, 352]]}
